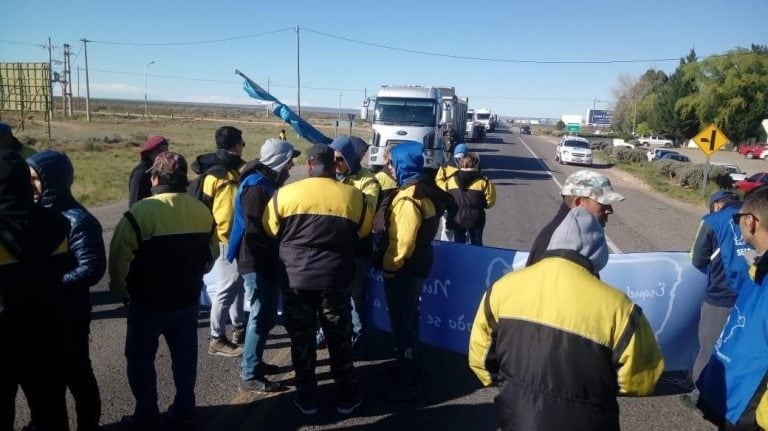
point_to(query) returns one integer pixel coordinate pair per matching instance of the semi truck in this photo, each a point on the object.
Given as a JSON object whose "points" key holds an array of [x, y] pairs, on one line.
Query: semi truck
{"points": [[486, 117], [434, 116], [475, 129]]}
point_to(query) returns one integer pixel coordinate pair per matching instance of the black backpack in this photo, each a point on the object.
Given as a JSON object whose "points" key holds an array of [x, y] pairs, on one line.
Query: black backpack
{"points": [[195, 187]]}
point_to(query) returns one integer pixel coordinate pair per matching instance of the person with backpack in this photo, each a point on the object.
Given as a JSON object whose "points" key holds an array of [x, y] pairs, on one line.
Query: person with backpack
{"points": [[445, 173], [216, 186], [257, 258], [413, 220], [52, 177], [473, 193]]}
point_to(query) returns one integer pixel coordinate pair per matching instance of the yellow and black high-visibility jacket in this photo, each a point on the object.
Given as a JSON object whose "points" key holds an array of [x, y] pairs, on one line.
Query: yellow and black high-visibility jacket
{"points": [[318, 221], [413, 221], [473, 193], [160, 250], [561, 345]]}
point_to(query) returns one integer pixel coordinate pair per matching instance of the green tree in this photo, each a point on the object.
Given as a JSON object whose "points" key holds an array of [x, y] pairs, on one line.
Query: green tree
{"points": [[731, 91], [634, 99], [666, 117], [560, 125]]}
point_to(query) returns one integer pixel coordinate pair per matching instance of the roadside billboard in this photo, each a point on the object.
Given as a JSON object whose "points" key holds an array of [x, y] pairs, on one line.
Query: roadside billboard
{"points": [[600, 117], [25, 87], [572, 119]]}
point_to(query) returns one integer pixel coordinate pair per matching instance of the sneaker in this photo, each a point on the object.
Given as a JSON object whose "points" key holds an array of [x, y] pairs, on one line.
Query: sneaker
{"points": [[346, 407], [306, 405], [223, 347], [260, 384], [268, 369], [320, 339], [238, 335]]}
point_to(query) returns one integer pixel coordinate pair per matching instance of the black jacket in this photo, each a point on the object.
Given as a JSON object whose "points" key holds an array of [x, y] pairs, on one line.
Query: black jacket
{"points": [[85, 235], [258, 251], [139, 185]]}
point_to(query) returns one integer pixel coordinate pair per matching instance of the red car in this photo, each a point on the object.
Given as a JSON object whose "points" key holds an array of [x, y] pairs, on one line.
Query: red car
{"points": [[752, 182], [752, 151]]}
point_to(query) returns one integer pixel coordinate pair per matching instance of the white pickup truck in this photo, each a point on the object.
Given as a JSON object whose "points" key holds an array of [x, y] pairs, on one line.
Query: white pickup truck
{"points": [[655, 141]]}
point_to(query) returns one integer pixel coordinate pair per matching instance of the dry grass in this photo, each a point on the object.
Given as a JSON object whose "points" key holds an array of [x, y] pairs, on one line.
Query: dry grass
{"points": [[105, 150]]}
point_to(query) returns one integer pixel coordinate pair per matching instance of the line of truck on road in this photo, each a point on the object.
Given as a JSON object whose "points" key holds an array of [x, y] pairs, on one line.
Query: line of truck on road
{"points": [[434, 116]]}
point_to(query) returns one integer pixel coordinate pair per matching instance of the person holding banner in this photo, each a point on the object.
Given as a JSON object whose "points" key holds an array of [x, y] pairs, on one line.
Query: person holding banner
{"points": [[718, 251], [413, 222], [733, 384], [587, 189], [560, 343]]}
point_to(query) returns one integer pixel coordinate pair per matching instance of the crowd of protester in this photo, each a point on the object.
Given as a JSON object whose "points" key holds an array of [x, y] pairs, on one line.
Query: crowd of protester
{"points": [[250, 240]]}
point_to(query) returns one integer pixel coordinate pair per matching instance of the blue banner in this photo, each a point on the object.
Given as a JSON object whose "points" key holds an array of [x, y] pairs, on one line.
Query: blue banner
{"points": [[301, 126], [664, 284]]}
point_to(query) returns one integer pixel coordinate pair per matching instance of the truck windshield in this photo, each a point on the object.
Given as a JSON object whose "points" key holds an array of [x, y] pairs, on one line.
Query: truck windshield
{"points": [[413, 112], [483, 116]]}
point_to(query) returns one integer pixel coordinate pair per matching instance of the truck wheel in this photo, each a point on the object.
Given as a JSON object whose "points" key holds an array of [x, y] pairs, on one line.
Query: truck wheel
{"points": [[750, 156], [765, 158]]}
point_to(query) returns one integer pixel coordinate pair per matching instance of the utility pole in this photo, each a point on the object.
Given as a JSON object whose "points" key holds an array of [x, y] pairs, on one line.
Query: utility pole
{"points": [[339, 105], [50, 81], [67, 82], [78, 88], [268, 107], [87, 82], [146, 68], [298, 73]]}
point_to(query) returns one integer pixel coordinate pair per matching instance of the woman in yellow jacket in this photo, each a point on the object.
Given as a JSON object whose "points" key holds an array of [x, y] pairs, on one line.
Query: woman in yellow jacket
{"points": [[473, 193]]}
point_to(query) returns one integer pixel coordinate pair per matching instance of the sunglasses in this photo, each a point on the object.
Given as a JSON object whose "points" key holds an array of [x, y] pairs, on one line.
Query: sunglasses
{"points": [[737, 217]]}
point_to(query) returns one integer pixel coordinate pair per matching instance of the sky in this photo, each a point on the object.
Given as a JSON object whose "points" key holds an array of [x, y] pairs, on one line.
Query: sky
{"points": [[349, 48]]}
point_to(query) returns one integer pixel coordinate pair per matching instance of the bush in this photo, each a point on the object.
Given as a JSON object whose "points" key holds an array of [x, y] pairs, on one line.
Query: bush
{"points": [[113, 139], [29, 141]]}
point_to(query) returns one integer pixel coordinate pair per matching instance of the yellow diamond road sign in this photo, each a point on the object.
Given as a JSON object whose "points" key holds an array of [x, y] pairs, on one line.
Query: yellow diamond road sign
{"points": [[710, 139]]}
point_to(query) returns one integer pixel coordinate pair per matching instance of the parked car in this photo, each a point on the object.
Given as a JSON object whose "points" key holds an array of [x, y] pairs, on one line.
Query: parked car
{"points": [[752, 182], [753, 151], [656, 153], [572, 149], [525, 129], [675, 156], [764, 154], [734, 171]]}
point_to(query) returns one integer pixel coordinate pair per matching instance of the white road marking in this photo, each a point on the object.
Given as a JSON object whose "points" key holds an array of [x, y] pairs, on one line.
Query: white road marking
{"points": [[611, 244]]}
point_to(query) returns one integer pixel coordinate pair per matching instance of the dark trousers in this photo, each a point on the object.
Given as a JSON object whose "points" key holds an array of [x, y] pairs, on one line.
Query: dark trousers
{"points": [[36, 371], [332, 307], [403, 292], [475, 236], [180, 331], [78, 372]]}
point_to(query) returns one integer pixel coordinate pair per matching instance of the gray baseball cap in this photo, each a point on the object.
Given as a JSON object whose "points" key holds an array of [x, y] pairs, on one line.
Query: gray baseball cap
{"points": [[593, 185]]}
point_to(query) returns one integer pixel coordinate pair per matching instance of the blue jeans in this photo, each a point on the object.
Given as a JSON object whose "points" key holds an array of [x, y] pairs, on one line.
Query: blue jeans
{"points": [[262, 294], [180, 331], [475, 236]]}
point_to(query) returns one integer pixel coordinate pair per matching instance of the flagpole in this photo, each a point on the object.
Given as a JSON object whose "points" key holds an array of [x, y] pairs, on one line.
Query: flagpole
{"points": [[298, 74]]}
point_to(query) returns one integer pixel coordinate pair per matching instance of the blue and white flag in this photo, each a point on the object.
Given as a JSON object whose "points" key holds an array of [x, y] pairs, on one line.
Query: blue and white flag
{"points": [[301, 126]]}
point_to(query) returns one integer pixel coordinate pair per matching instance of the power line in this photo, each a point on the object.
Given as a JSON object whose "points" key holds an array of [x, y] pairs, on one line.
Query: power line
{"points": [[509, 60], [40, 45], [199, 42]]}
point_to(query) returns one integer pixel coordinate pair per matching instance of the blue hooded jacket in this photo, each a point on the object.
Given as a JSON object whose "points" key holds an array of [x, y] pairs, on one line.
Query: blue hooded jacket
{"points": [[350, 148], [408, 162], [85, 236]]}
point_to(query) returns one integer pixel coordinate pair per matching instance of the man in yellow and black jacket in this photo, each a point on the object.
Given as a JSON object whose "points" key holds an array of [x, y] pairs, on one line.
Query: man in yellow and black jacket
{"points": [[318, 222], [160, 250], [33, 260], [219, 173], [474, 193], [412, 223], [559, 343]]}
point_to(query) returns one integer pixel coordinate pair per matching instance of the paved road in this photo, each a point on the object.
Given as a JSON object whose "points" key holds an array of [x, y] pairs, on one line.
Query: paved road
{"points": [[527, 179]]}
